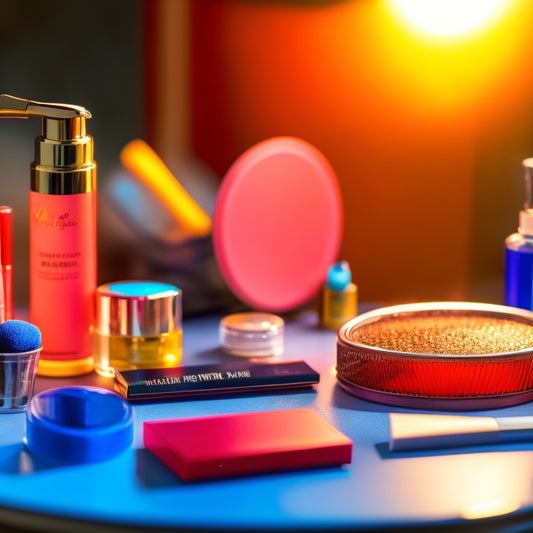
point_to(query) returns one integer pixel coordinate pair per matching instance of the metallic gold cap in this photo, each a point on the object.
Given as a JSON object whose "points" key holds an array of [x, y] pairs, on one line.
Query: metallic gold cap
{"points": [[63, 158], [64, 152], [138, 308]]}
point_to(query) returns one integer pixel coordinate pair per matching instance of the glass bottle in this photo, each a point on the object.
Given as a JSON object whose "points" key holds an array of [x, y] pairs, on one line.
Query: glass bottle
{"points": [[519, 251]]}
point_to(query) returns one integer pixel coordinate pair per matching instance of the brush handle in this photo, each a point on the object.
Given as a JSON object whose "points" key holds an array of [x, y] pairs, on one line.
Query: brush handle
{"points": [[515, 428], [416, 431]]}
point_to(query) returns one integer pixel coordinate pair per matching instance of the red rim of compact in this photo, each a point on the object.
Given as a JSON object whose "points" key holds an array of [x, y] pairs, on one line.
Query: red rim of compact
{"points": [[447, 355]]}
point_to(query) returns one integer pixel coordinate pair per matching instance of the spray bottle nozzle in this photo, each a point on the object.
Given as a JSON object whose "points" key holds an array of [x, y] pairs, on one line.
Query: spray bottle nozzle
{"points": [[63, 152], [528, 177], [525, 226], [14, 107]]}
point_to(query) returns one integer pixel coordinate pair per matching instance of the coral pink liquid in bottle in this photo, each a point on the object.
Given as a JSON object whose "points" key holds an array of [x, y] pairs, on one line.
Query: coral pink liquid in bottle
{"points": [[63, 245]]}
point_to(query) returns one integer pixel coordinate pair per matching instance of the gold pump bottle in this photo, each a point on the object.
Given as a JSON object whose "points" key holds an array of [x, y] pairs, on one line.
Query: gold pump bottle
{"points": [[62, 234]]}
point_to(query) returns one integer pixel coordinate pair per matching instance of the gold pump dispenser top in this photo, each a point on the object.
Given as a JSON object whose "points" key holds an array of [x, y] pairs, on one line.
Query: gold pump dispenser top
{"points": [[63, 152]]}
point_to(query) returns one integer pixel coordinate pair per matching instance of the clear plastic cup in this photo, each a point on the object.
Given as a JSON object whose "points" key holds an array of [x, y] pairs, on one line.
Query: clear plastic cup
{"points": [[17, 379]]}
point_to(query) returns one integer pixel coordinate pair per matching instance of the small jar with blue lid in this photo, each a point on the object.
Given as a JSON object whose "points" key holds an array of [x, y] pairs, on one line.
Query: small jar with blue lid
{"points": [[138, 325]]}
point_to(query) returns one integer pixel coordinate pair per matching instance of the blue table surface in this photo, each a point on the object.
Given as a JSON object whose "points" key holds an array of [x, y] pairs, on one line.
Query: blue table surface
{"points": [[378, 489]]}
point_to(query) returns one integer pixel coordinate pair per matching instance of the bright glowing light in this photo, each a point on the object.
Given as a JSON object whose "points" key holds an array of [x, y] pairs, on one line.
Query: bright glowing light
{"points": [[486, 509], [449, 17]]}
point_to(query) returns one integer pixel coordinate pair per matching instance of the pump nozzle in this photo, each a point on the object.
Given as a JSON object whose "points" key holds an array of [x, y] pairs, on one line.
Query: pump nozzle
{"points": [[528, 176], [63, 152], [14, 107], [525, 226]]}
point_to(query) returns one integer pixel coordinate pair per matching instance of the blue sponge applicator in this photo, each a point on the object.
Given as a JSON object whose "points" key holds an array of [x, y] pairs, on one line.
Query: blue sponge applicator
{"points": [[18, 336]]}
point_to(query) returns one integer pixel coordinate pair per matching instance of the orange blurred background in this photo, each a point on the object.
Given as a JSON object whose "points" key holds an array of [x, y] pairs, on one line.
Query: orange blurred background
{"points": [[426, 132]]}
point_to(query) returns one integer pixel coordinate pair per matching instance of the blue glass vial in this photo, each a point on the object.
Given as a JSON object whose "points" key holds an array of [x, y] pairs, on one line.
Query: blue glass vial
{"points": [[519, 252]]}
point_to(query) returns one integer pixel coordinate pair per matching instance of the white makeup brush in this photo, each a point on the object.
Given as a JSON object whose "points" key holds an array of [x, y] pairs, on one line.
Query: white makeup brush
{"points": [[420, 431]]}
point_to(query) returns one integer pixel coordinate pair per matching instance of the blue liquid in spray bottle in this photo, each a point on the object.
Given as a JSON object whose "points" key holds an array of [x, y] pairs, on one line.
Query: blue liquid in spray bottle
{"points": [[519, 251]]}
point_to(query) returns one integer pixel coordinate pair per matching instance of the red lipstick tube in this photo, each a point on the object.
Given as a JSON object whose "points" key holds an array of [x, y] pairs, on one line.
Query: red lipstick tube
{"points": [[6, 263]]}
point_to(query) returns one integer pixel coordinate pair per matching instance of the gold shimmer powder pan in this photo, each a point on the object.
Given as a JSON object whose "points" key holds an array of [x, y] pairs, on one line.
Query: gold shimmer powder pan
{"points": [[439, 355]]}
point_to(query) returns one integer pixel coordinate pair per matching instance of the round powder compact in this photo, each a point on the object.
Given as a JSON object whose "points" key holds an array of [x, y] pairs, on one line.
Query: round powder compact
{"points": [[277, 224], [439, 355]]}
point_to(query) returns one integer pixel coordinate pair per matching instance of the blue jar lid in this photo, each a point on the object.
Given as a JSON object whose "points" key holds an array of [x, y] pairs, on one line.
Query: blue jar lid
{"points": [[79, 424], [154, 289]]}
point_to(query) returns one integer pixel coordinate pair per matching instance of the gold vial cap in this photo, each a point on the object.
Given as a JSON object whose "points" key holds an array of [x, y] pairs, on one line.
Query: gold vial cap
{"points": [[138, 308]]}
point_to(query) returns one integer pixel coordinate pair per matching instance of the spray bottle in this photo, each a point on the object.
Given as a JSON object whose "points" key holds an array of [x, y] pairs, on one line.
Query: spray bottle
{"points": [[62, 229], [519, 251]]}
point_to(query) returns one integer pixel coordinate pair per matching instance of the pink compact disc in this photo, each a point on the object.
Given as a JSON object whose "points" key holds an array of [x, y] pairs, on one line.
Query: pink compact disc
{"points": [[277, 224]]}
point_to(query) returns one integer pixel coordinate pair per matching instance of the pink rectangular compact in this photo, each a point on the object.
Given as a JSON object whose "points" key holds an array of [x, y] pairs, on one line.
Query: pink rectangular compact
{"points": [[246, 443]]}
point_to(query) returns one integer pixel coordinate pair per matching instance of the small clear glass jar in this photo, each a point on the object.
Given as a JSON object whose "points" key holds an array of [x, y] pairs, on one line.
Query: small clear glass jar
{"points": [[138, 325], [252, 334]]}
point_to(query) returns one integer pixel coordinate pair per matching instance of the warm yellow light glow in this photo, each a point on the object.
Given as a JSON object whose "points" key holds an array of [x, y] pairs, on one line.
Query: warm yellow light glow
{"points": [[486, 509], [458, 73], [449, 17]]}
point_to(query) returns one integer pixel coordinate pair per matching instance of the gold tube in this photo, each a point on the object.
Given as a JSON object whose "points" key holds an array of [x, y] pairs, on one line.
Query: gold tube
{"points": [[63, 158]]}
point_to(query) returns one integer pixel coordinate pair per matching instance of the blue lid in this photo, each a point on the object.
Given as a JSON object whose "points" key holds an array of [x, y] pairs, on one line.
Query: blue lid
{"points": [[79, 424], [141, 288], [339, 276]]}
